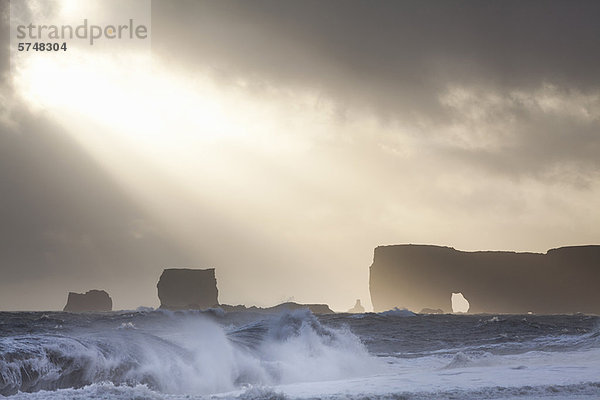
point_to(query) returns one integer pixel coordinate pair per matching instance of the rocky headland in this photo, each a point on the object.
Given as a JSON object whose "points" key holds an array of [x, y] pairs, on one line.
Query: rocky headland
{"points": [[561, 281]]}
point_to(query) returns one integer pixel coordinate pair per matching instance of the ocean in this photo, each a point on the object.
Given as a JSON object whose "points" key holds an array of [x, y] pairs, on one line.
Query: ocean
{"points": [[157, 354]]}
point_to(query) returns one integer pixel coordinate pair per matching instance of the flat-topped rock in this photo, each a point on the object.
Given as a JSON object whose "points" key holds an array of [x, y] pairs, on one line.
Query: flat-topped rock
{"points": [[185, 288], [90, 301]]}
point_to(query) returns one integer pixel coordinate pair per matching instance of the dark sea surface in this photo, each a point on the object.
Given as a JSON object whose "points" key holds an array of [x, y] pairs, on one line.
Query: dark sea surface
{"points": [[156, 354]]}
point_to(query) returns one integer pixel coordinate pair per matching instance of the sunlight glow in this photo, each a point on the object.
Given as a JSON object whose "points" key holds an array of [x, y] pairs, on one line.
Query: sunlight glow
{"points": [[139, 102]]}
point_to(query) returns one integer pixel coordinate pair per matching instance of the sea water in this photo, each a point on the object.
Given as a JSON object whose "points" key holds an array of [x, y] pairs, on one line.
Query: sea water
{"points": [[156, 354]]}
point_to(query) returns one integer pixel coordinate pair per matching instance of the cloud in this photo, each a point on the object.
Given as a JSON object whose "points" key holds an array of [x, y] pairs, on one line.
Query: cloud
{"points": [[353, 125], [548, 133], [530, 70]]}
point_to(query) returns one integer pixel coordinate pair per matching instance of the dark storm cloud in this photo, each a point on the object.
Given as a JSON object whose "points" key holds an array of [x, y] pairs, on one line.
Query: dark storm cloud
{"points": [[395, 59], [359, 44], [548, 148], [547, 133]]}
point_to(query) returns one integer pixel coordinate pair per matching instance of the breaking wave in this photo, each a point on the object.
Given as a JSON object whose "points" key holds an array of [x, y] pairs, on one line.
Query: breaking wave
{"points": [[192, 354], [165, 355]]}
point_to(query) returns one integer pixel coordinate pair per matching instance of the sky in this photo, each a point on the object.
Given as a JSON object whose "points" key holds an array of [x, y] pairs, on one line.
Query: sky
{"points": [[280, 142]]}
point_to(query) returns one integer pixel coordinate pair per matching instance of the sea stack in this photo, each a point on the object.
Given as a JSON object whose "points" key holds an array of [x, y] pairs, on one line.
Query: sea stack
{"points": [[184, 288], [357, 309], [91, 301], [562, 281]]}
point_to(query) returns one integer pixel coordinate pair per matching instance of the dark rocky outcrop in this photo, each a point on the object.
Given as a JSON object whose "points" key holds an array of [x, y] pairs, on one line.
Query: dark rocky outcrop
{"points": [[431, 311], [314, 308], [564, 280], [184, 288], [290, 306], [91, 301], [357, 309]]}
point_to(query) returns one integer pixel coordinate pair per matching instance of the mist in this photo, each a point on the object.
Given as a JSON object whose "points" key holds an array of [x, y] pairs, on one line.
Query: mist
{"points": [[280, 144]]}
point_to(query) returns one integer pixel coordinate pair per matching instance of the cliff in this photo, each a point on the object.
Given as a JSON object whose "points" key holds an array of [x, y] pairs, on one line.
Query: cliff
{"points": [[183, 288], [93, 300], [564, 280]]}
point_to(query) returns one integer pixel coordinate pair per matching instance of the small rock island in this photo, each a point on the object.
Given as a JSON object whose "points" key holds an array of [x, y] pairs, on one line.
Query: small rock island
{"points": [[90, 301], [357, 309], [185, 288]]}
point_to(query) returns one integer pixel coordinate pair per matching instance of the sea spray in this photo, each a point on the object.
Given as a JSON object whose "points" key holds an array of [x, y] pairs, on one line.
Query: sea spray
{"points": [[195, 355], [298, 348], [183, 353]]}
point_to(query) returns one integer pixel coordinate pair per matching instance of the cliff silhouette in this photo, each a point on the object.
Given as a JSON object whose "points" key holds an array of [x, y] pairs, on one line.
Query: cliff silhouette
{"points": [[564, 280], [90, 301], [184, 288]]}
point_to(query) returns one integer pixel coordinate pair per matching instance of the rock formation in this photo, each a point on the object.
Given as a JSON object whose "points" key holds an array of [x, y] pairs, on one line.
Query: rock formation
{"points": [[564, 280], [357, 309], [183, 288], [314, 308], [431, 311], [91, 301]]}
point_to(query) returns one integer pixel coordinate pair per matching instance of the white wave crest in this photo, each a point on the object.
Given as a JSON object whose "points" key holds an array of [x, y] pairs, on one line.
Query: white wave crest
{"points": [[190, 354]]}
